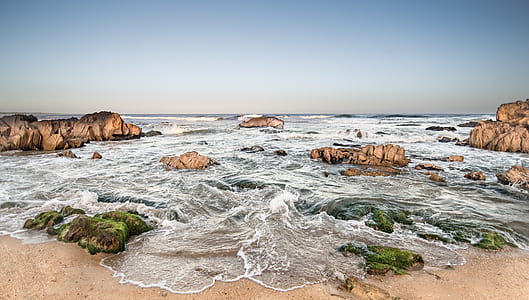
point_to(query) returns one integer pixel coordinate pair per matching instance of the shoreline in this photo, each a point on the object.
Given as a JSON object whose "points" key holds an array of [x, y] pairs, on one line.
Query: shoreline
{"points": [[65, 271]]}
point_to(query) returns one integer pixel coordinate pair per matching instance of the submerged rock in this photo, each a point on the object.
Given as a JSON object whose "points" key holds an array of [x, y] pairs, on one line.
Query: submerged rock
{"points": [[381, 155], [364, 291], [435, 177], [475, 175], [454, 158], [45, 220], [445, 139], [468, 124], [96, 155], [68, 154], [440, 128], [491, 241], [22, 132], [263, 122], [430, 167], [381, 259], [188, 160], [281, 152], [516, 175], [151, 133], [379, 171], [384, 220], [253, 149]]}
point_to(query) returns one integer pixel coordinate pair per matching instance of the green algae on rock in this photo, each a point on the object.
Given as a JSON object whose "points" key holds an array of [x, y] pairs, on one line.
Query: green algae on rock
{"points": [[384, 220], [381, 259], [44, 220], [134, 222], [68, 211], [491, 241]]}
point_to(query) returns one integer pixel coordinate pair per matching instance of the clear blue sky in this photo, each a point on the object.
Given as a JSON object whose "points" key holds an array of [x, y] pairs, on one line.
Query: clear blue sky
{"points": [[263, 56]]}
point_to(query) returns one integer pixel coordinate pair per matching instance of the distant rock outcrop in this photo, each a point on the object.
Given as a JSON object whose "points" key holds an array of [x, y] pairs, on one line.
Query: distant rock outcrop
{"points": [[188, 160], [509, 133], [23, 132], [382, 155], [263, 122]]}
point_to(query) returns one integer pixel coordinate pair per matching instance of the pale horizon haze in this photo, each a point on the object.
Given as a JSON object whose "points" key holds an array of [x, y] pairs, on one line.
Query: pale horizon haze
{"points": [[207, 57]]}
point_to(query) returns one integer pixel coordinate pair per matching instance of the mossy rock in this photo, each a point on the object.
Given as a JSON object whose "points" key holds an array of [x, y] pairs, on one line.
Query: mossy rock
{"points": [[95, 234], [381, 259], [68, 211], [134, 222], [491, 241], [44, 220], [433, 237], [384, 220]]}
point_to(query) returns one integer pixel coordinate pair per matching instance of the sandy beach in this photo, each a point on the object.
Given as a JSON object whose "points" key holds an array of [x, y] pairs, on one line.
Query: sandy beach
{"points": [[57, 270]]}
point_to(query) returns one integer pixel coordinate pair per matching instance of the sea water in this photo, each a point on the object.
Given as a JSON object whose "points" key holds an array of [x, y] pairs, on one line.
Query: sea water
{"points": [[259, 215]]}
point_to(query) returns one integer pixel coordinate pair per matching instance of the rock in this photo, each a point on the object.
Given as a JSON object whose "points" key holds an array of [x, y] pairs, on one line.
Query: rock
{"points": [[445, 139], [491, 241], [431, 167], [364, 291], [440, 128], [270, 131], [189, 160], [380, 171], [45, 220], [68, 211], [95, 234], [22, 132], [463, 143], [475, 175], [516, 175], [454, 158], [135, 223], [253, 149], [383, 220], [281, 152], [514, 113], [469, 124], [381, 155], [67, 153], [151, 133], [263, 122], [436, 177], [96, 155]]}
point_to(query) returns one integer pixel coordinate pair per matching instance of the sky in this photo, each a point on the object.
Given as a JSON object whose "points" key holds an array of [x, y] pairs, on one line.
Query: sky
{"points": [[263, 56]]}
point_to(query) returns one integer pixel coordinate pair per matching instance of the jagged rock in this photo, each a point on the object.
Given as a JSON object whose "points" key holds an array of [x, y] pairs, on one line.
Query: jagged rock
{"points": [[253, 149], [445, 139], [189, 160], [263, 122], [514, 113], [67, 153], [454, 158], [45, 220], [516, 175], [381, 155], [475, 175], [431, 167], [441, 128], [151, 133], [469, 124], [96, 155], [281, 152], [22, 132]]}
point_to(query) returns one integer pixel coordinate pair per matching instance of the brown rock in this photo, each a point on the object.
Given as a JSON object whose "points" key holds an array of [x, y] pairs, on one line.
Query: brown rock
{"points": [[516, 175], [379, 171], [381, 155], [188, 160], [436, 177], [454, 158], [263, 122], [515, 113], [96, 155], [281, 152], [364, 291], [67, 153], [475, 176], [431, 167], [463, 143]]}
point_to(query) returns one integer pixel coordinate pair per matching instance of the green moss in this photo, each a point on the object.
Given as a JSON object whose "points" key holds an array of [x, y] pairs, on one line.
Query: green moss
{"points": [[433, 237], [134, 222], [68, 211], [44, 220], [382, 221], [381, 259], [491, 241]]}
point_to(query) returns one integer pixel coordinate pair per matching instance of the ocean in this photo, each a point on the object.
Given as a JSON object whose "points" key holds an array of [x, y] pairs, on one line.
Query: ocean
{"points": [[277, 220]]}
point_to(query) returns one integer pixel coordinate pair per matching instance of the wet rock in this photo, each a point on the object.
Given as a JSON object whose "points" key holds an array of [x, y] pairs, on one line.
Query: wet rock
{"points": [[445, 139], [468, 124], [135, 223], [454, 158], [380, 171], [384, 220], [430, 167], [433, 237], [45, 220], [263, 122], [380, 133], [96, 155], [281, 152], [67, 153], [68, 211], [188, 160], [21, 132], [253, 149], [364, 291], [270, 131], [475, 175], [516, 175], [464, 142], [381, 259], [441, 128], [381, 155], [151, 133], [491, 241], [436, 177]]}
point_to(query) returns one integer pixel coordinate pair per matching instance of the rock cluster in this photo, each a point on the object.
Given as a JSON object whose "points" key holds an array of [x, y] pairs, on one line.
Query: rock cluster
{"points": [[382, 155], [188, 160], [509, 133], [263, 122], [25, 132]]}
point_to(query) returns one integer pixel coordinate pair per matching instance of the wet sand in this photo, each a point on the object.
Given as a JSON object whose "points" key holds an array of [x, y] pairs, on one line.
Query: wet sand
{"points": [[57, 270]]}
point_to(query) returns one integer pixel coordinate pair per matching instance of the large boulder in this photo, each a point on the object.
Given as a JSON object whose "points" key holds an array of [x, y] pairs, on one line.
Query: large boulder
{"points": [[263, 122], [188, 160], [509, 133], [25, 132], [516, 175], [382, 155]]}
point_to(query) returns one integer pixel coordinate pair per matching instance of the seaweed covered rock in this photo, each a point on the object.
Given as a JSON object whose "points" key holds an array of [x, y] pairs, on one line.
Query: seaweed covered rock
{"points": [[68, 211], [263, 122], [384, 220], [382, 259], [382, 155], [516, 175], [45, 220], [188, 160], [491, 241], [134, 222], [95, 234]]}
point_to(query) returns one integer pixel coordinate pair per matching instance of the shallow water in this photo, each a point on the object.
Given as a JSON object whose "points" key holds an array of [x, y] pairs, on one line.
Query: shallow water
{"points": [[259, 215]]}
